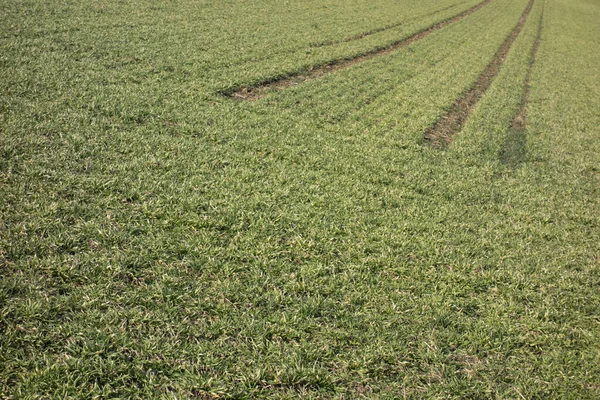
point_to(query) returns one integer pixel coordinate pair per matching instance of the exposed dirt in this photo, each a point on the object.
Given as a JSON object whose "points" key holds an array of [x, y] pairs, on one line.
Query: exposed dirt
{"points": [[258, 91], [442, 133]]}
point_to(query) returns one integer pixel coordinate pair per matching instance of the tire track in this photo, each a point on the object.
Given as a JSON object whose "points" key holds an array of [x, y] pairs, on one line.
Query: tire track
{"points": [[452, 122], [383, 28], [514, 150], [520, 120], [258, 91]]}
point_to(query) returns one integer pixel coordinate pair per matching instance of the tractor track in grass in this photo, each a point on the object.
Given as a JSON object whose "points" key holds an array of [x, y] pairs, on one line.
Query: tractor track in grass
{"points": [[514, 150], [333, 42], [383, 28], [520, 120], [258, 91], [442, 132]]}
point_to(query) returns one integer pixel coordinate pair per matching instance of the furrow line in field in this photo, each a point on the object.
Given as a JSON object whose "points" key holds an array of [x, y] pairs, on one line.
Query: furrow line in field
{"points": [[383, 28], [452, 122], [258, 91], [520, 120]]}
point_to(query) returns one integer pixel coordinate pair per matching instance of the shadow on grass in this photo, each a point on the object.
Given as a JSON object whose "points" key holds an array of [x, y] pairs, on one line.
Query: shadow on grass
{"points": [[514, 150]]}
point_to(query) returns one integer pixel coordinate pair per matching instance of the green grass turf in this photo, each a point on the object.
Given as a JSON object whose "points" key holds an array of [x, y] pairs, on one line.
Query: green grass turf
{"points": [[158, 240]]}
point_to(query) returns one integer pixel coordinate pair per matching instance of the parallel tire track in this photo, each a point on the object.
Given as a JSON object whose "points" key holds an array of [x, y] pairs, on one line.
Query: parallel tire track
{"points": [[452, 122], [258, 91], [514, 151], [520, 120], [382, 29]]}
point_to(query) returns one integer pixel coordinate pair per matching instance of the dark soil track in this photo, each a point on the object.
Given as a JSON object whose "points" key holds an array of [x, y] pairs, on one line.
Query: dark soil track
{"points": [[258, 91], [442, 133]]}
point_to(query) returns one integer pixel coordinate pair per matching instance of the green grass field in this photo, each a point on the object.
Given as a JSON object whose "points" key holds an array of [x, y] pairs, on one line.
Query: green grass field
{"points": [[162, 239]]}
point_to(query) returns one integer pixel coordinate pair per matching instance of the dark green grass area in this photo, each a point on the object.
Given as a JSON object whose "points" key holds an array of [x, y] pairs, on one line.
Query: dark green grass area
{"points": [[158, 240]]}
